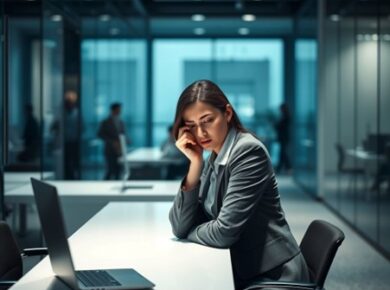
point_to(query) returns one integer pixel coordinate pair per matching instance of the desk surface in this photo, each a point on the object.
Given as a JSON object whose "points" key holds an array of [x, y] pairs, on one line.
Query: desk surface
{"points": [[102, 191], [151, 155], [139, 236], [365, 155], [15, 179]]}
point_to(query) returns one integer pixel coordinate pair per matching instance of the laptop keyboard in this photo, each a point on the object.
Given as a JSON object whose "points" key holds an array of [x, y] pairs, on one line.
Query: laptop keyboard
{"points": [[99, 278]]}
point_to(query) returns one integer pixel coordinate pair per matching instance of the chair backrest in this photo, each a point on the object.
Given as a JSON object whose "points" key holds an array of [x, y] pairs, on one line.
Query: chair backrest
{"points": [[11, 267], [340, 156], [319, 246]]}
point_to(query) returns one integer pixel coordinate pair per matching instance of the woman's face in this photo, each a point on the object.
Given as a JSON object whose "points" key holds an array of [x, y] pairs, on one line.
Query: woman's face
{"points": [[208, 124]]}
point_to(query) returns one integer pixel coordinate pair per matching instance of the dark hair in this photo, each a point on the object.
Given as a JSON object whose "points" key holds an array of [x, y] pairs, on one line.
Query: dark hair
{"points": [[115, 106], [207, 92]]}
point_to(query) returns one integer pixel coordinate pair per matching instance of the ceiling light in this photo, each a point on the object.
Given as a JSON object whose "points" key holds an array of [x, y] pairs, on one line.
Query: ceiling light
{"points": [[334, 17], [248, 17], [243, 31], [114, 31], [374, 37], [198, 17], [104, 17], [56, 18], [199, 31], [386, 37]]}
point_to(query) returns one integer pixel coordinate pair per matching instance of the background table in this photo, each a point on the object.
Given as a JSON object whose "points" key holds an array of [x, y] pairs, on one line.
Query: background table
{"points": [[82, 199]]}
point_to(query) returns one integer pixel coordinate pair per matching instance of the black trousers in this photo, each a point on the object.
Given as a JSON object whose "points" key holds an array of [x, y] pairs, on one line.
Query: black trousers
{"points": [[293, 270], [284, 160], [72, 160], [113, 167]]}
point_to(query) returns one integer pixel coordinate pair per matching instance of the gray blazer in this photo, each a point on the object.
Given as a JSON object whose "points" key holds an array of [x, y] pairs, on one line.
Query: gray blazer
{"points": [[250, 220]]}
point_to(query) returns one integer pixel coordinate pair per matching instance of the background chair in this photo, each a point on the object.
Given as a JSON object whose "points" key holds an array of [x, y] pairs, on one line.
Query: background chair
{"points": [[341, 157], [11, 265], [318, 246]]}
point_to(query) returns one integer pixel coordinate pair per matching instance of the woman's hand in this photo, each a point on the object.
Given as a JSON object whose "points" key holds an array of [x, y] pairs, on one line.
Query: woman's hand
{"points": [[186, 143]]}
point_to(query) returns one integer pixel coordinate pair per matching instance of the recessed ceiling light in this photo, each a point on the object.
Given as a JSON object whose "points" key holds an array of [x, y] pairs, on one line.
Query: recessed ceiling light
{"points": [[198, 17], [114, 31], [199, 31], [248, 17], [334, 17], [104, 17], [56, 18], [243, 31]]}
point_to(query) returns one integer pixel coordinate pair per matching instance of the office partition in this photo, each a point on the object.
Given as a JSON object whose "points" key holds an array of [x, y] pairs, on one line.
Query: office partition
{"points": [[356, 103]]}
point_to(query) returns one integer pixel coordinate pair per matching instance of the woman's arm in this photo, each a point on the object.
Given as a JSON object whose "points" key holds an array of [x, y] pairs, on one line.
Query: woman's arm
{"points": [[250, 173], [183, 214]]}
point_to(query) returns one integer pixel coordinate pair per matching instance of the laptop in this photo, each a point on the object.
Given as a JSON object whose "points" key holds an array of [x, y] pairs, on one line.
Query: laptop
{"points": [[53, 227]]}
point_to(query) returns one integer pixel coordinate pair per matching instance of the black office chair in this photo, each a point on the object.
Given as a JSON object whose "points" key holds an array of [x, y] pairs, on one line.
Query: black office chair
{"points": [[341, 156], [318, 246], [11, 265]]}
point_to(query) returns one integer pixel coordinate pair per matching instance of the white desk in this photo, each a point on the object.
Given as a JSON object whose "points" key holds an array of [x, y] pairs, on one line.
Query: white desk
{"points": [[364, 155], [101, 191], [15, 179], [150, 156], [138, 235], [87, 197]]}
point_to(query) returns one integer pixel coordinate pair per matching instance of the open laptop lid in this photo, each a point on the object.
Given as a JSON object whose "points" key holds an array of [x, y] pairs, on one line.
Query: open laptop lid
{"points": [[53, 227]]}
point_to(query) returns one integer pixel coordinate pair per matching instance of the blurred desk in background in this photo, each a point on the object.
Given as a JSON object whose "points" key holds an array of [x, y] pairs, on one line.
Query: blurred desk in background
{"points": [[152, 163], [82, 199]]}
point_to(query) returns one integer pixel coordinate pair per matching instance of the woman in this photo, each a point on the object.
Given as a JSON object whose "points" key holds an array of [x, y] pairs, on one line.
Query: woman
{"points": [[231, 200]]}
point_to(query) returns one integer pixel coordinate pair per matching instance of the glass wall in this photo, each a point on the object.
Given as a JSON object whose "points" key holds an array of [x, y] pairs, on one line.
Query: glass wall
{"points": [[22, 71], [383, 173], [305, 100], [250, 72], [108, 78], [52, 80], [2, 100], [357, 126]]}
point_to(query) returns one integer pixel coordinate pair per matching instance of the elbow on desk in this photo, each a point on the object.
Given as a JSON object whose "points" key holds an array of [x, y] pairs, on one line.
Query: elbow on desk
{"points": [[179, 233]]}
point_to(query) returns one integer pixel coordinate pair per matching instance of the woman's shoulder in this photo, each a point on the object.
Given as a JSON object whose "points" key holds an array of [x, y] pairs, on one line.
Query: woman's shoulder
{"points": [[247, 142]]}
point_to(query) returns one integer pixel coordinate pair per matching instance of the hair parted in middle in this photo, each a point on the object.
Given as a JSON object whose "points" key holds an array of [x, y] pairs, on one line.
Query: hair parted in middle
{"points": [[209, 93]]}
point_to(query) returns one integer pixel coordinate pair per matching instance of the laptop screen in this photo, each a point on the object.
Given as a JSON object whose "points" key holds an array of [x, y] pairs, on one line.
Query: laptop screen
{"points": [[53, 227]]}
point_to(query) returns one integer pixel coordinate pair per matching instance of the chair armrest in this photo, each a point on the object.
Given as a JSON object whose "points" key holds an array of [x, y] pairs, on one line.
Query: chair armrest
{"points": [[34, 252], [282, 285], [6, 283]]}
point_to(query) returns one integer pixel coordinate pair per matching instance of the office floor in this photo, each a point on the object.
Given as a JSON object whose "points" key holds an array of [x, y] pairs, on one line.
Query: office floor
{"points": [[357, 264]]}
